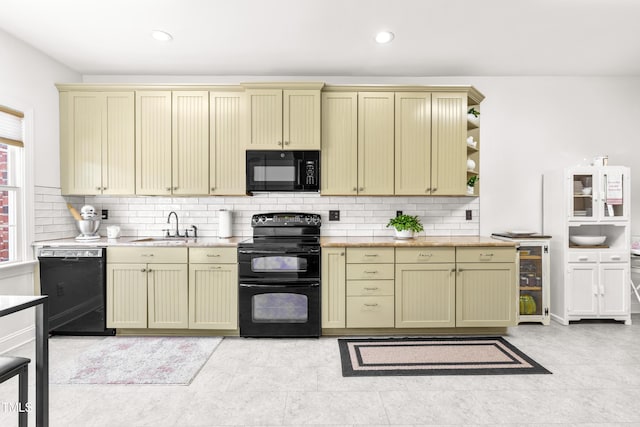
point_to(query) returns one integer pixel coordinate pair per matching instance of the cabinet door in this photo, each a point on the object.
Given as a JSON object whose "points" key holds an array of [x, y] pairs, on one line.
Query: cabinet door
{"points": [[301, 119], [333, 288], [613, 193], [582, 289], [126, 304], [448, 144], [425, 295], [413, 143], [168, 296], [486, 294], [614, 289], [339, 143], [265, 119], [226, 144], [118, 151], [153, 143], [375, 143], [213, 296], [81, 142], [190, 143]]}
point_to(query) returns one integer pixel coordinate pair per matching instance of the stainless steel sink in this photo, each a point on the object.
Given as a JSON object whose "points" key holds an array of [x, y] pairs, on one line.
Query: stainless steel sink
{"points": [[164, 240]]}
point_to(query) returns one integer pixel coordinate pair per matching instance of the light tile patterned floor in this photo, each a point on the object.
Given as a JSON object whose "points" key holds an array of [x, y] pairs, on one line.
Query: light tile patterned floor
{"points": [[595, 382]]}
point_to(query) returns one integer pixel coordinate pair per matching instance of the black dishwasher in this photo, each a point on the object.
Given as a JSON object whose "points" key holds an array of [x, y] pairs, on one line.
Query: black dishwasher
{"points": [[75, 281]]}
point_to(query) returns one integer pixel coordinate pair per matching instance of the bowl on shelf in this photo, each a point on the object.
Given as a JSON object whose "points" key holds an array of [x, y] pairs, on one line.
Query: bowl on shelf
{"points": [[587, 240], [586, 190]]}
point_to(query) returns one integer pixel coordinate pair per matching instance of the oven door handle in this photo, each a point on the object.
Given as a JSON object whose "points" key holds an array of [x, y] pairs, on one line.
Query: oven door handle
{"points": [[278, 252], [276, 285]]}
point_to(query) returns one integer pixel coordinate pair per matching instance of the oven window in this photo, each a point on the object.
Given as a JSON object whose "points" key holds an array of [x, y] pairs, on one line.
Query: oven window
{"points": [[278, 263], [279, 308], [274, 173]]}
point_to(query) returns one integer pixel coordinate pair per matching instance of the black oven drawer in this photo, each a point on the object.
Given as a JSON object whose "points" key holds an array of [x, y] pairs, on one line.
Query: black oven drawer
{"points": [[280, 309]]}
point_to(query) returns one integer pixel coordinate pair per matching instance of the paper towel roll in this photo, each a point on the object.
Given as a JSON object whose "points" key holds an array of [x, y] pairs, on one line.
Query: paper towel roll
{"points": [[225, 223]]}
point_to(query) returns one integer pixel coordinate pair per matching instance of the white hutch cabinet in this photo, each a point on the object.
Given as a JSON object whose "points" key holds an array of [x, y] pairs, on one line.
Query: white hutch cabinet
{"points": [[589, 281]]}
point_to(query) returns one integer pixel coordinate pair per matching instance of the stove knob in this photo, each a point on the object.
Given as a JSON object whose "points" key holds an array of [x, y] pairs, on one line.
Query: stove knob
{"points": [[262, 218], [308, 219], [316, 219]]}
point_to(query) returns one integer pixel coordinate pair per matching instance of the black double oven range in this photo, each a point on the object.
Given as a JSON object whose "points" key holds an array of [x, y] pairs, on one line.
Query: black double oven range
{"points": [[279, 276]]}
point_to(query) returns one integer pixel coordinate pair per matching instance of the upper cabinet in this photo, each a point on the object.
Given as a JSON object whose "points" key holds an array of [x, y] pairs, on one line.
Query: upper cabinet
{"points": [[226, 147], [283, 117], [97, 143], [172, 143], [598, 194]]}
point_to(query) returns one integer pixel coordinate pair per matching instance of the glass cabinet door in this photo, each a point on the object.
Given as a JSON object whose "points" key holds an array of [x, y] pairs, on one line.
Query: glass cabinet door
{"points": [[531, 280], [582, 200], [611, 203]]}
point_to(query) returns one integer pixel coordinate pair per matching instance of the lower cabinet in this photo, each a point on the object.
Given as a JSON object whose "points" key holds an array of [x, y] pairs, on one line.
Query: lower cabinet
{"points": [[147, 288], [597, 290], [419, 287], [486, 293], [425, 287], [213, 288]]}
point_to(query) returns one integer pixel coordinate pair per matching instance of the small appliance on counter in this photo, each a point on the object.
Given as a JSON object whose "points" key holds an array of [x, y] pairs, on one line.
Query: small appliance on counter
{"points": [[89, 224]]}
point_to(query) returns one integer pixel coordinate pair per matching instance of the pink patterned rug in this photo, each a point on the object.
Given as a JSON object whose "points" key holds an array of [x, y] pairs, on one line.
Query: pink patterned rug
{"points": [[138, 360]]}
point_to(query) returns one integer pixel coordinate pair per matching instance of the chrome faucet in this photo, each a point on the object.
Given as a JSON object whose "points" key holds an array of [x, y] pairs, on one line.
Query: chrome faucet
{"points": [[169, 222]]}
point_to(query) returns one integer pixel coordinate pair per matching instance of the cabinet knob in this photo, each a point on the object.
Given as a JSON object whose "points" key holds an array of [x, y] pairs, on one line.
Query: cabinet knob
{"points": [[175, 188], [361, 189], [213, 188], [280, 143], [144, 270], [168, 188], [98, 188], [355, 189], [427, 190], [149, 270], [341, 253], [286, 143], [434, 189]]}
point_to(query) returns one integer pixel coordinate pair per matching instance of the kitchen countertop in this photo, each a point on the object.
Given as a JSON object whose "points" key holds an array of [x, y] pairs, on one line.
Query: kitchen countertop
{"points": [[422, 241], [144, 241], [328, 241]]}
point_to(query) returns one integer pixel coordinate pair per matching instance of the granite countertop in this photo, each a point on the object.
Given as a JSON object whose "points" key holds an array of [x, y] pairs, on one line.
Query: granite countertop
{"points": [[144, 241], [422, 241]]}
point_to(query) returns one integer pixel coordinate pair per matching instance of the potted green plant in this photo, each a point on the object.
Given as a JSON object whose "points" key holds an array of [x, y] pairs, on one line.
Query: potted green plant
{"points": [[471, 182], [473, 115], [405, 226]]}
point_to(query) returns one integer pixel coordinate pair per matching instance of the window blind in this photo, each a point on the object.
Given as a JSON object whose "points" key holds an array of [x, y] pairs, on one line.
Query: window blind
{"points": [[11, 127]]}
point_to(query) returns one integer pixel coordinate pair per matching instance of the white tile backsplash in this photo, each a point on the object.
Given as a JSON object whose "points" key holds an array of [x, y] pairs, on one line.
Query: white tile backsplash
{"points": [[359, 216]]}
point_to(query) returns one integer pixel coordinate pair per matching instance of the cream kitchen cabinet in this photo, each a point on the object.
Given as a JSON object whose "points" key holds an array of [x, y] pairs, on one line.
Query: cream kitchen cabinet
{"points": [[425, 287], [172, 143], [283, 118], [213, 288], [226, 143], [147, 288], [370, 288], [97, 143], [357, 143], [333, 288], [486, 287]]}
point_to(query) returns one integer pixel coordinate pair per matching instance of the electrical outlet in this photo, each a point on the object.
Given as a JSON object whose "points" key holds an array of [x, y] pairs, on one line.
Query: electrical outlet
{"points": [[398, 213], [334, 215], [105, 213], [468, 215]]}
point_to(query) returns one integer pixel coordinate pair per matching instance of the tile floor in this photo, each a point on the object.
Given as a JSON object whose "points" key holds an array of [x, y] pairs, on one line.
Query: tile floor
{"points": [[595, 382]]}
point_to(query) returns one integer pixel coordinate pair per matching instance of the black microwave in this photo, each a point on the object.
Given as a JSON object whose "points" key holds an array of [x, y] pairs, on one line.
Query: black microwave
{"points": [[273, 170]]}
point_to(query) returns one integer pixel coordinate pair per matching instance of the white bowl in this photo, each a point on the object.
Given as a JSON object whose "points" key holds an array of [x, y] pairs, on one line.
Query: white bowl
{"points": [[586, 190], [587, 240]]}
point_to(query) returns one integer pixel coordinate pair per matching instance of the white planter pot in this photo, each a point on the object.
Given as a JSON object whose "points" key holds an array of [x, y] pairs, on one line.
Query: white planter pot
{"points": [[473, 119], [404, 234], [470, 189]]}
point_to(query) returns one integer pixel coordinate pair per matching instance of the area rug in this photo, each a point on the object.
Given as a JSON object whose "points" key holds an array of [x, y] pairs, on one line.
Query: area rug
{"points": [[137, 360], [434, 356]]}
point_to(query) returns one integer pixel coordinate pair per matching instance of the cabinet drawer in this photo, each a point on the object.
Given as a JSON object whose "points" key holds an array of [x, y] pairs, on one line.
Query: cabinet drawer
{"points": [[486, 254], [364, 255], [614, 256], [370, 287], [370, 271], [370, 312], [129, 255], [425, 255], [213, 255], [583, 256]]}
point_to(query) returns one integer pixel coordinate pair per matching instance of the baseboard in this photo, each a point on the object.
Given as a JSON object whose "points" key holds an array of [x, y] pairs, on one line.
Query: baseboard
{"points": [[16, 339]]}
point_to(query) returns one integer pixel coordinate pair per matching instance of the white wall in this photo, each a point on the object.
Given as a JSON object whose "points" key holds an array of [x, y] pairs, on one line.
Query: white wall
{"points": [[529, 125], [27, 79]]}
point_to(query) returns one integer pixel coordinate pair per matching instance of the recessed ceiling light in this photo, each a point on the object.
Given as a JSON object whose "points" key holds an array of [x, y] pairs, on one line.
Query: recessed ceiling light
{"points": [[384, 37], [162, 36]]}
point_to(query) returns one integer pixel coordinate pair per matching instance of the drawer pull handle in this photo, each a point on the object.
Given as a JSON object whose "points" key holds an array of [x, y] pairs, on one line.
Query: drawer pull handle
{"points": [[371, 272], [372, 289], [616, 257], [371, 305], [425, 255], [369, 255], [583, 258], [146, 255], [489, 254], [213, 255], [217, 267]]}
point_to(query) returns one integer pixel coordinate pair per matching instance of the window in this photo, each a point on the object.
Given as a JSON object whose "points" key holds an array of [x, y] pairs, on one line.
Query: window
{"points": [[11, 184]]}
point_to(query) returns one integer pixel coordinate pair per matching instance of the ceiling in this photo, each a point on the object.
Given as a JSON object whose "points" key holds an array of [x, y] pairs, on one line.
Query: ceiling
{"points": [[333, 37]]}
